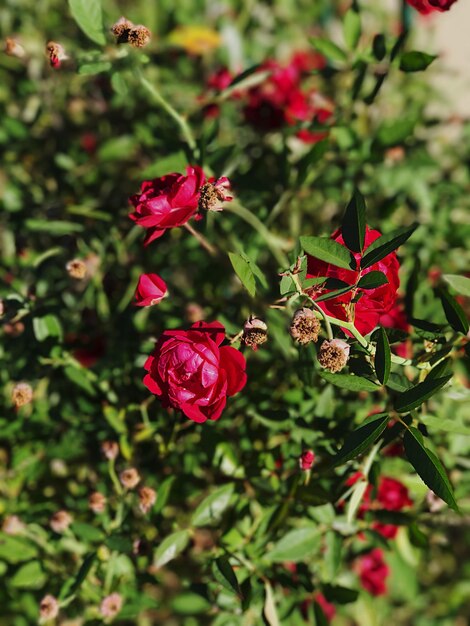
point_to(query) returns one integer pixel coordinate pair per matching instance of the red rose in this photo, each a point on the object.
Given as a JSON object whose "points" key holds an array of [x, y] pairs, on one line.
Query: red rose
{"points": [[373, 572], [392, 494], [329, 610], [151, 289], [189, 371], [389, 531], [372, 303], [306, 460], [429, 6]]}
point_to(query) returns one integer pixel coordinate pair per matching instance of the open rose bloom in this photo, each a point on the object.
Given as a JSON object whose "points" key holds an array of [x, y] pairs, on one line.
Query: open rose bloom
{"points": [[151, 289], [189, 370], [430, 6], [372, 303]]}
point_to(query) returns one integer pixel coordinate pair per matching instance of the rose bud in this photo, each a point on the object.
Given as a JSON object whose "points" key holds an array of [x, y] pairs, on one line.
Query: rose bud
{"points": [[306, 460], [255, 333], [13, 48], [111, 605], [212, 195], [56, 54], [60, 521], [147, 498], [333, 355], [129, 478], [121, 29], [151, 289], [194, 312], [305, 326], [139, 36], [22, 394], [110, 449], [48, 608], [12, 525], [97, 502], [76, 269]]}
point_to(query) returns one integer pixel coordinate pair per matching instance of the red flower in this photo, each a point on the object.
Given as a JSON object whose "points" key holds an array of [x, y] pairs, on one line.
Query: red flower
{"points": [[392, 494], [306, 460], [189, 371], [372, 303], [389, 531], [429, 6], [373, 572], [329, 610], [151, 289]]}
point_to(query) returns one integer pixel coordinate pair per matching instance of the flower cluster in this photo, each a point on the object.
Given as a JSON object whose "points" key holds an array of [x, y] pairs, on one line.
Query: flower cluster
{"points": [[429, 6]]}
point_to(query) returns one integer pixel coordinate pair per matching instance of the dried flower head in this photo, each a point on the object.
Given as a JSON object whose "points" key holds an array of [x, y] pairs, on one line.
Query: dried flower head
{"points": [[139, 36], [111, 605], [2, 308], [97, 502], [129, 478], [48, 608], [56, 54], [15, 329], [333, 355], [305, 326], [60, 521], [110, 449], [121, 29], [255, 332], [22, 394], [147, 498], [12, 525], [13, 48], [306, 460], [76, 268], [213, 195]]}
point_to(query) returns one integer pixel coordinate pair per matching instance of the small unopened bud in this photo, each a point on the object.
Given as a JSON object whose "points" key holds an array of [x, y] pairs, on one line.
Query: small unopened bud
{"points": [[255, 333], [48, 608], [2, 308], [110, 449], [14, 329], [306, 460], [60, 521], [333, 355], [111, 605], [76, 269], [13, 48], [147, 498], [56, 54], [139, 36], [129, 478], [212, 195], [305, 326], [12, 525], [22, 394], [121, 29], [97, 502], [194, 312]]}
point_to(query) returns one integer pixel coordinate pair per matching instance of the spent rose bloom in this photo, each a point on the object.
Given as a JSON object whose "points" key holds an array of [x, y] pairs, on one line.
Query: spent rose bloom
{"points": [[189, 370], [48, 608], [171, 200], [151, 289], [429, 6], [111, 605], [60, 521], [373, 572], [366, 312]]}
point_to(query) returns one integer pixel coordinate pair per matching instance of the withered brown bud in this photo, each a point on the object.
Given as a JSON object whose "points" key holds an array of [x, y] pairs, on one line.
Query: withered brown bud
{"points": [[60, 521], [48, 608], [255, 333], [13, 48], [305, 326], [194, 312], [139, 36], [121, 29], [110, 449], [147, 498], [210, 198], [333, 355], [15, 329], [129, 478], [22, 394], [55, 53], [76, 269], [97, 502]]}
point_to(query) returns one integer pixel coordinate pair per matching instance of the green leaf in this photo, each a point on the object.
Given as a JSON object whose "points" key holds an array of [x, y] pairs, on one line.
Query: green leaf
{"points": [[359, 490], [454, 313], [386, 244], [83, 572], [270, 610], [224, 574], [163, 494], [350, 382], [372, 280], [353, 226], [394, 132], [79, 377], [461, 284], [296, 545], [28, 576], [443, 368], [329, 49], [170, 548], [89, 17], [415, 61], [89, 69], [190, 603], [362, 438], [52, 227], [334, 294], [352, 28], [16, 549], [415, 396], [244, 272], [383, 357], [428, 467], [46, 326], [379, 49], [212, 508], [329, 251]]}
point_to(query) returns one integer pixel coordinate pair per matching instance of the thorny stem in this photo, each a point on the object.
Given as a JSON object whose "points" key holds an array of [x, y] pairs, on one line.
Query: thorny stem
{"points": [[201, 239]]}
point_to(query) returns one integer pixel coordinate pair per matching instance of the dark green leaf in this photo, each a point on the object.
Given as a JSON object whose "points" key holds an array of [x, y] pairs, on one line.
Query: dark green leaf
{"points": [[329, 49], [347, 381], [352, 28], [212, 508], [296, 545], [89, 69], [83, 572], [454, 313], [372, 280], [361, 438], [329, 251], [244, 272], [170, 548], [443, 368], [428, 467], [379, 49], [415, 396], [223, 572], [334, 294], [353, 227], [383, 357], [386, 244], [415, 61]]}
